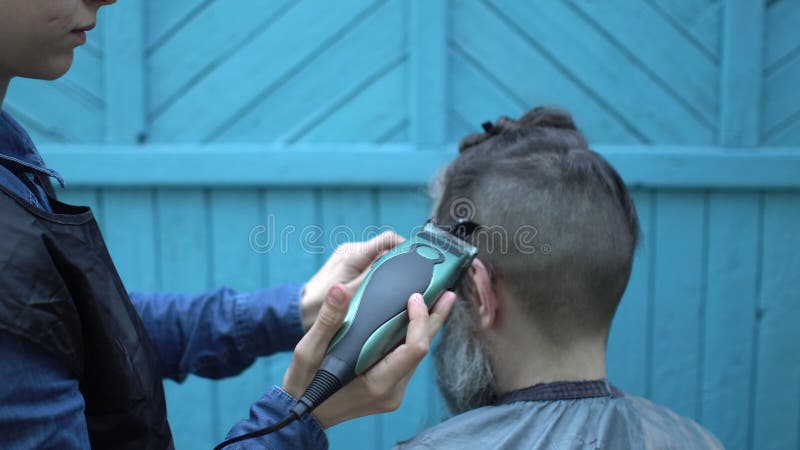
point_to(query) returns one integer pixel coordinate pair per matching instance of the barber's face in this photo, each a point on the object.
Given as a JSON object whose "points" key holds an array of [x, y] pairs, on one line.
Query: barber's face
{"points": [[37, 38], [464, 371]]}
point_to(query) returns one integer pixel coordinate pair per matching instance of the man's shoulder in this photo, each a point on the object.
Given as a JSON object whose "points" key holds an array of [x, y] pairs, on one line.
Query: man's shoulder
{"points": [[622, 421], [658, 420], [473, 429]]}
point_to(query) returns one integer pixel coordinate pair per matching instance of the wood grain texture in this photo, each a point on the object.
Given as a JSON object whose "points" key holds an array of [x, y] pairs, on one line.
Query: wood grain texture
{"points": [[125, 74], [184, 250], [775, 415], [679, 297], [780, 110], [629, 352], [233, 214], [740, 90], [732, 288], [340, 164]]}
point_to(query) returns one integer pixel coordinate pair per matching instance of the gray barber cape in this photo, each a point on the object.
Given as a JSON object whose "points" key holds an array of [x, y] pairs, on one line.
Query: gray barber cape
{"points": [[564, 416]]}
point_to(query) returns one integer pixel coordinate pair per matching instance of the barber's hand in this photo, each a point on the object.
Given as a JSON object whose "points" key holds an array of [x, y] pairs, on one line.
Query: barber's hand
{"points": [[381, 388], [348, 264]]}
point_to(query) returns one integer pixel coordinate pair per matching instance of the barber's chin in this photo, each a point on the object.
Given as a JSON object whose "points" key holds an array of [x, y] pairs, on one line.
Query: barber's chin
{"points": [[51, 68]]}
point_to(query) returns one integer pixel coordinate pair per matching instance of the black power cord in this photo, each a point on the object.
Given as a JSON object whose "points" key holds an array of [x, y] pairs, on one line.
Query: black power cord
{"points": [[322, 386]]}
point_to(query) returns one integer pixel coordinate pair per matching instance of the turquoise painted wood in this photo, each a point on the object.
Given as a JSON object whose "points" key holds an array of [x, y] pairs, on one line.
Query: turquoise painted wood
{"points": [[226, 143], [630, 355]]}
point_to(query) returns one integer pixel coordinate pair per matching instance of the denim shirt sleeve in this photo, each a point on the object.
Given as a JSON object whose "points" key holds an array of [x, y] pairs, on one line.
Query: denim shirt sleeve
{"points": [[304, 433], [41, 405], [220, 333]]}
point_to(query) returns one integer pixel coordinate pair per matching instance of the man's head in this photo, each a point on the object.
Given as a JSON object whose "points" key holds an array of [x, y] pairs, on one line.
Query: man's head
{"points": [[37, 38], [556, 247]]}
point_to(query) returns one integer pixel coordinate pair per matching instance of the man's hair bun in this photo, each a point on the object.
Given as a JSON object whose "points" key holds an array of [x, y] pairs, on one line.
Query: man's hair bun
{"points": [[540, 117], [548, 117]]}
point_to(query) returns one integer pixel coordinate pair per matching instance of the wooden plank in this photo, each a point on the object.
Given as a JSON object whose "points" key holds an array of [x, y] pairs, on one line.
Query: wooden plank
{"points": [[291, 226], [733, 246], [740, 86], [86, 72], [377, 109], [679, 300], [58, 111], [427, 32], [699, 19], [400, 165], [787, 135], [183, 259], [777, 375], [346, 214], [189, 54], [781, 97], [131, 236], [406, 210], [40, 132], [628, 345], [124, 73], [398, 135], [475, 54], [686, 71], [165, 18], [590, 58], [233, 215], [351, 64], [458, 128], [195, 115], [781, 36], [475, 97]]}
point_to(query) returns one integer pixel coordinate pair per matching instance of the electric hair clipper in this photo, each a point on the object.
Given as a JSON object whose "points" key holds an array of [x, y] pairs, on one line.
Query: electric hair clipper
{"points": [[430, 262]]}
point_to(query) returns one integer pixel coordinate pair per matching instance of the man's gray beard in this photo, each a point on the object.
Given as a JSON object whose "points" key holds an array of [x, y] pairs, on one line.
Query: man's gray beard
{"points": [[463, 370]]}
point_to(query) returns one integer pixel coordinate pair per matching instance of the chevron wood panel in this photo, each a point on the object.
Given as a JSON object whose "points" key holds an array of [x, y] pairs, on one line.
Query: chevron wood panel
{"points": [[781, 97], [353, 90], [487, 83], [651, 79], [281, 73]]}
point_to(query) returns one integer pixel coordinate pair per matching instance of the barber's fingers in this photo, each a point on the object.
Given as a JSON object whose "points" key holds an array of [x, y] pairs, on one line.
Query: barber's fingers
{"points": [[353, 285], [441, 310], [398, 365], [363, 253], [380, 243], [309, 352]]}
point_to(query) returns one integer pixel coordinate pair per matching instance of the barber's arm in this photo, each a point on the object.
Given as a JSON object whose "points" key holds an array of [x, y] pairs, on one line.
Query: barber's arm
{"points": [[220, 333]]}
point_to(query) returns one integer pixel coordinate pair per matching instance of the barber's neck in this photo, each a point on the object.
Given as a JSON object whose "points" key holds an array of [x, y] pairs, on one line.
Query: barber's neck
{"points": [[523, 358]]}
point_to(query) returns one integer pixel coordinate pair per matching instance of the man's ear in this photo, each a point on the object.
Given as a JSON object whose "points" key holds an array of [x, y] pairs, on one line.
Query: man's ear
{"points": [[486, 301]]}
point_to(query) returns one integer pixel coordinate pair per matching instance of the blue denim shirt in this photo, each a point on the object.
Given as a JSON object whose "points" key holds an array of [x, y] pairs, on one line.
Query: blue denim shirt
{"points": [[213, 335]]}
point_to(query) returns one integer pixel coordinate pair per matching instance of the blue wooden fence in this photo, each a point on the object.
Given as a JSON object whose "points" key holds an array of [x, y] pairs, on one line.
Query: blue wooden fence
{"points": [[185, 124]]}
